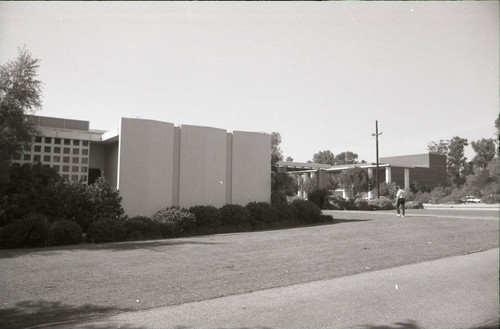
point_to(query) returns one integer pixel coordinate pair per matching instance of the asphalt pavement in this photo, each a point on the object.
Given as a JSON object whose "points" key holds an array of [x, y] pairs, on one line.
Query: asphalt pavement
{"points": [[449, 293]]}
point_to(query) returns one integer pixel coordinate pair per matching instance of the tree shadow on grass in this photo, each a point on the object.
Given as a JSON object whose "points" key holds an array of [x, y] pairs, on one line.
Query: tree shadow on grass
{"points": [[152, 245], [32, 313], [341, 220]]}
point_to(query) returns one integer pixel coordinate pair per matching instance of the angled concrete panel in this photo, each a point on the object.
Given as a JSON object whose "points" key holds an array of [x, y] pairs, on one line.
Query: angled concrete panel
{"points": [[146, 163], [202, 166], [251, 167]]}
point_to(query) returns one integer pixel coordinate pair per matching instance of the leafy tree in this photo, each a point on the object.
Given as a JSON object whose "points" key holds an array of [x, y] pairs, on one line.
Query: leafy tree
{"points": [[485, 152], [105, 199], [276, 153], [20, 95], [439, 148], [346, 158], [324, 157], [456, 162], [289, 159], [354, 180], [282, 185]]}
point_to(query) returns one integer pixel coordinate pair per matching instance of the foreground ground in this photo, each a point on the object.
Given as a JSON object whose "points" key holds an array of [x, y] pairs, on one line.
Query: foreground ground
{"points": [[58, 284]]}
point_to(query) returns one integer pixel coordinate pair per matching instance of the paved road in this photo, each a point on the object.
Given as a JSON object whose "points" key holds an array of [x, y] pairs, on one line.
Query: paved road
{"points": [[455, 292]]}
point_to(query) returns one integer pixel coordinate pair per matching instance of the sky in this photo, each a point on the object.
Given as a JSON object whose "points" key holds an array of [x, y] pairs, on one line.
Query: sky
{"points": [[319, 73]]}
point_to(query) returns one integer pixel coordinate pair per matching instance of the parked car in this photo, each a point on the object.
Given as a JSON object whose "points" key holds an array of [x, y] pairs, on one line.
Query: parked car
{"points": [[470, 199]]}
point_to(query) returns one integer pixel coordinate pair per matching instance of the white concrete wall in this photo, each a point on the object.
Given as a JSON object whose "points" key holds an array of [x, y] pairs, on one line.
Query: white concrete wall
{"points": [[251, 167], [145, 170], [202, 166]]}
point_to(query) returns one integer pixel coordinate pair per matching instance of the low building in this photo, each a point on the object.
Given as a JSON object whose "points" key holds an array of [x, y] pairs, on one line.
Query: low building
{"points": [[427, 169], [156, 164]]}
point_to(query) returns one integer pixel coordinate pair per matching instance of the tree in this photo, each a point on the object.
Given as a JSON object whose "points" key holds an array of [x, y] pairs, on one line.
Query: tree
{"points": [[289, 159], [324, 157], [456, 162], [485, 152], [20, 95], [282, 185], [276, 153], [354, 180], [439, 148], [346, 158]]}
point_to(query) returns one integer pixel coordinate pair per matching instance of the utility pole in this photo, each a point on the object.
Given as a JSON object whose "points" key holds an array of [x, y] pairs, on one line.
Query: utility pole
{"points": [[376, 142]]}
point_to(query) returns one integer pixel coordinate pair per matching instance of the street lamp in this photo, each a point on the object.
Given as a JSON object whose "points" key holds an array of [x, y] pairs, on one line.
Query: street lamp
{"points": [[376, 142]]}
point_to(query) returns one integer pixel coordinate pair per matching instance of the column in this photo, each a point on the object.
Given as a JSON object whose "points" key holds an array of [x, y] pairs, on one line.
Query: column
{"points": [[388, 178], [370, 172], [407, 178]]}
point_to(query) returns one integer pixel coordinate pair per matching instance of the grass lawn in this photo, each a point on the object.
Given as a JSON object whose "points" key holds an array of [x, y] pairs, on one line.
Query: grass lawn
{"points": [[57, 284]]}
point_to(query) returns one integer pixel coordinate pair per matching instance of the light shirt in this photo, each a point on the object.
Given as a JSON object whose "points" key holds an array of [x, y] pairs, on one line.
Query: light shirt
{"points": [[401, 194]]}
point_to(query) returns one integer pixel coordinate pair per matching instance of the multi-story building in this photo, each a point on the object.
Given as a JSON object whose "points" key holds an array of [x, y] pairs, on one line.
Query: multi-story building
{"points": [[156, 164], [62, 144]]}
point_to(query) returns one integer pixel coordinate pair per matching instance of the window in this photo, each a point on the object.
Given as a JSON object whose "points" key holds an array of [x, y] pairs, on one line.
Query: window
{"points": [[76, 151], [38, 148], [16, 156], [27, 147], [48, 140], [76, 160], [46, 158], [57, 158], [85, 160], [65, 177], [27, 157], [76, 142], [57, 150], [74, 178], [66, 150], [57, 141], [38, 139], [85, 143], [47, 149], [84, 178], [36, 158], [74, 169], [67, 142], [85, 152], [66, 159], [56, 168], [65, 168], [84, 169]]}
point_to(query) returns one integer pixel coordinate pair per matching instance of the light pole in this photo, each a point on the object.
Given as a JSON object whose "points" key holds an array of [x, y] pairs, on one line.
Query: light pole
{"points": [[376, 143]]}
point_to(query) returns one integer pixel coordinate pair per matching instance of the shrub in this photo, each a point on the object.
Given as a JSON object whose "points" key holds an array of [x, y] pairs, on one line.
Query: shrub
{"points": [[206, 216], [320, 198], [381, 204], [339, 203], [140, 228], [106, 230], [30, 231], [106, 201], [422, 197], [491, 198], [174, 220], [414, 205], [65, 232], [287, 215], [307, 212], [263, 215], [362, 204], [235, 218]]}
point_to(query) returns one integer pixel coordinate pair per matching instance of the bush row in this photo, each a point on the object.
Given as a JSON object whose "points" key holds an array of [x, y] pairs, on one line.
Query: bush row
{"points": [[35, 230], [324, 200]]}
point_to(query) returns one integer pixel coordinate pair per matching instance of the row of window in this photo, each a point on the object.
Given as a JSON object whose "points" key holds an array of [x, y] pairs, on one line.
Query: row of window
{"points": [[74, 178], [57, 141], [48, 158], [67, 168], [66, 150]]}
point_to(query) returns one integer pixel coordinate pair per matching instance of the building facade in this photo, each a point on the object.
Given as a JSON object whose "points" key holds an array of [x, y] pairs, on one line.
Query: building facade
{"points": [[427, 169], [156, 164]]}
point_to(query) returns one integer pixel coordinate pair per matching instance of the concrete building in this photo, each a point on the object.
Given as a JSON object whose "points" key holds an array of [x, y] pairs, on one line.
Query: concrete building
{"points": [[426, 169], [156, 164]]}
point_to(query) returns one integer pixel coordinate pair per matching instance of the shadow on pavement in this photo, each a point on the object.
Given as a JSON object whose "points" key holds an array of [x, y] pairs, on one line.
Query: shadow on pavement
{"points": [[341, 220], [31, 313]]}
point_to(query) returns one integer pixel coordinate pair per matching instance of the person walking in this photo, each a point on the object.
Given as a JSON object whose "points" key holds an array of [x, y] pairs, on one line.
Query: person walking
{"points": [[400, 201]]}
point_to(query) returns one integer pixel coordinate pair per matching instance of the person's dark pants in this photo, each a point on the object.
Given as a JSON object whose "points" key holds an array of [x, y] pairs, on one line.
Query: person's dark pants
{"points": [[401, 202]]}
